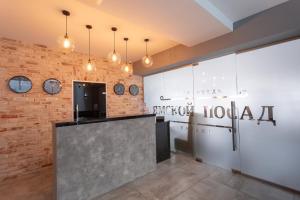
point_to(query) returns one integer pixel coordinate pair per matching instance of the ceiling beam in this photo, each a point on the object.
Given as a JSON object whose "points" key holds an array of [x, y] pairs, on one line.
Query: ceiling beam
{"points": [[216, 13]]}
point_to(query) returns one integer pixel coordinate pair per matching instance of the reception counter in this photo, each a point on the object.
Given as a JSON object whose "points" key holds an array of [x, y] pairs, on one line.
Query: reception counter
{"points": [[97, 156]]}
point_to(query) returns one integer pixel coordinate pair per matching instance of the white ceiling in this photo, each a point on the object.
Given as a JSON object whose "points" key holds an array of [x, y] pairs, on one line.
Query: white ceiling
{"points": [[239, 9], [166, 22], [183, 21], [41, 21]]}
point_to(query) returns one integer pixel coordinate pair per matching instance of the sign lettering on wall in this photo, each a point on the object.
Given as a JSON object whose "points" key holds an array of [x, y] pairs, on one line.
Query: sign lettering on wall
{"points": [[218, 112]]}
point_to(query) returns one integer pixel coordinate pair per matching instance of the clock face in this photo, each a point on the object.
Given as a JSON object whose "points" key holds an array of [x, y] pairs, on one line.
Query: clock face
{"points": [[119, 89], [20, 84], [52, 86], [134, 90]]}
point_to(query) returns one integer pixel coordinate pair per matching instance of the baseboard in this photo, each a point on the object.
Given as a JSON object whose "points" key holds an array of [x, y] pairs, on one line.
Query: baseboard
{"points": [[267, 182]]}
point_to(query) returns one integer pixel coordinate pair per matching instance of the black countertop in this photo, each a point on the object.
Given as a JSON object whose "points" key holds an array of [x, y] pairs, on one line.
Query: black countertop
{"points": [[72, 123]]}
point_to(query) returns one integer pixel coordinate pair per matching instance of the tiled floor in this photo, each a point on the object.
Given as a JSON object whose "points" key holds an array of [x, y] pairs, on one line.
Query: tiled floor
{"points": [[180, 178]]}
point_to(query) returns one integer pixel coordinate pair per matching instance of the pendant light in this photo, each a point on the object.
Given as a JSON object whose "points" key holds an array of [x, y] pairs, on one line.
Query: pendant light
{"points": [[66, 42], [127, 67], [147, 60], [90, 66], [114, 57]]}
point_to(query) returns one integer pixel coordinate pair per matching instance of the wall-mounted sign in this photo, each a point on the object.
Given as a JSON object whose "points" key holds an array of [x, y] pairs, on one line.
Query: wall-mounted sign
{"points": [[52, 86], [133, 90], [217, 112], [119, 89], [20, 84]]}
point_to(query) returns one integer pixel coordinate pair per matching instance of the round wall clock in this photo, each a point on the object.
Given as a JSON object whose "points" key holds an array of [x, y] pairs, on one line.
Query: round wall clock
{"points": [[134, 90], [119, 89], [52, 86], [20, 84]]}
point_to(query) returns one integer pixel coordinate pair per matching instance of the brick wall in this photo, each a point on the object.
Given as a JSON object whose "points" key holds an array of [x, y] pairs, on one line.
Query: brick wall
{"points": [[26, 119]]}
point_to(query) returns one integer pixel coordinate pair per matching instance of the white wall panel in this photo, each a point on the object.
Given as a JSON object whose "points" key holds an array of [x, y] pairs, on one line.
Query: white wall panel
{"points": [[176, 87], [263, 77], [271, 78], [215, 88], [153, 89]]}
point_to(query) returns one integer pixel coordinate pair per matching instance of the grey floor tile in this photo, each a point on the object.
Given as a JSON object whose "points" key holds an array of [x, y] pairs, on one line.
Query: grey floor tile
{"points": [[180, 178], [37, 186], [199, 169], [297, 196], [250, 186], [226, 177], [264, 191], [242, 196], [209, 189], [167, 186], [179, 160], [130, 195], [189, 195], [115, 194]]}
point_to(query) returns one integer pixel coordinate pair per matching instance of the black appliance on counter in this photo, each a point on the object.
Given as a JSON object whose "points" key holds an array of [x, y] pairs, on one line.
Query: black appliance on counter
{"points": [[89, 100], [162, 139]]}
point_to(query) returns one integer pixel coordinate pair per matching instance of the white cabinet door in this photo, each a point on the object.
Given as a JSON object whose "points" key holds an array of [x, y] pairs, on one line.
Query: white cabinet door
{"points": [[270, 76], [214, 89]]}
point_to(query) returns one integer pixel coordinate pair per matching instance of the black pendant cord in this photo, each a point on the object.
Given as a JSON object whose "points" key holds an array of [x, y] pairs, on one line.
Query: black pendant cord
{"points": [[146, 48], [114, 29], [66, 13], [114, 41], [89, 45], [146, 40], [89, 27], [126, 52], [66, 26]]}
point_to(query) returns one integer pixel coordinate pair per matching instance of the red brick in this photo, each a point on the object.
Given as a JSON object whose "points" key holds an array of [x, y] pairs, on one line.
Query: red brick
{"points": [[26, 119]]}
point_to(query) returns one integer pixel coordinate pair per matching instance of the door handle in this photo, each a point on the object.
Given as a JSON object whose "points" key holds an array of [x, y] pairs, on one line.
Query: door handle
{"points": [[233, 125], [77, 112], [163, 99]]}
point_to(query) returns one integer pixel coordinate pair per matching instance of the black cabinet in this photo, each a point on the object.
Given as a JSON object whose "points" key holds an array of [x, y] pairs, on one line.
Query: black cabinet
{"points": [[162, 140]]}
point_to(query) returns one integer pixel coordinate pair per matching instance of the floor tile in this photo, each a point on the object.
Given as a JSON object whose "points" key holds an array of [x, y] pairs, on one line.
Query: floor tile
{"points": [[209, 189], [167, 186], [179, 160], [122, 193], [264, 191], [189, 195], [180, 178], [199, 169], [250, 186], [226, 177], [296, 196], [37, 186]]}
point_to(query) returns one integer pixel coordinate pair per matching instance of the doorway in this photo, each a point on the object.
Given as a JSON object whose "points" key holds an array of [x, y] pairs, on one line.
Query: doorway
{"points": [[89, 100]]}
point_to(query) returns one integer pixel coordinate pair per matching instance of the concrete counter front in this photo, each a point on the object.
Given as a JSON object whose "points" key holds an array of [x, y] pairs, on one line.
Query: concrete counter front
{"points": [[94, 157]]}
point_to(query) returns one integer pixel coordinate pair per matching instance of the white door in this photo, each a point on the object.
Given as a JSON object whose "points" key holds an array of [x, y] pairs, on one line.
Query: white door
{"points": [[270, 77], [214, 90], [153, 90], [170, 94], [178, 96]]}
